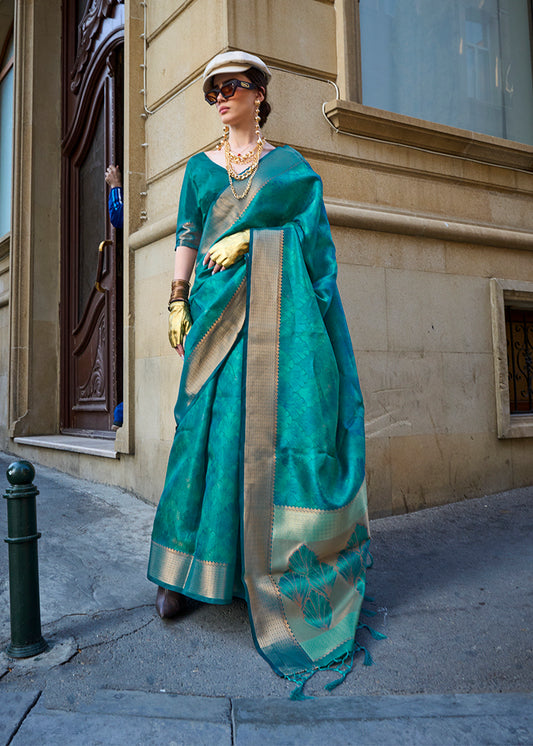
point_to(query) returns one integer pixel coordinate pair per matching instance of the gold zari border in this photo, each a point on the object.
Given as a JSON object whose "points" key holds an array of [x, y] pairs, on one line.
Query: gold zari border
{"points": [[212, 349], [184, 571], [272, 631]]}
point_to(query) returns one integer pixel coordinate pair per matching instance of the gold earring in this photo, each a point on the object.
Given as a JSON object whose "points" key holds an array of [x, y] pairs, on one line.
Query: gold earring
{"points": [[225, 137], [257, 120]]}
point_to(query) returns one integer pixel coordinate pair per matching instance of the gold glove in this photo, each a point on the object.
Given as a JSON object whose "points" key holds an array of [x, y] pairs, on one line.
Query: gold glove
{"points": [[226, 251], [179, 322]]}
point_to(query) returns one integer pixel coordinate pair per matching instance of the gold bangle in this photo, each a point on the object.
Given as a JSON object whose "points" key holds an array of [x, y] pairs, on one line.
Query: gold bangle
{"points": [[179, 291]]}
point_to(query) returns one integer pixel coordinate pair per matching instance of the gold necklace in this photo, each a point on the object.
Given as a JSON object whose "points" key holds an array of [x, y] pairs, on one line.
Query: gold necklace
{"points": [[244, 158], [248, 173], [251, 155]]}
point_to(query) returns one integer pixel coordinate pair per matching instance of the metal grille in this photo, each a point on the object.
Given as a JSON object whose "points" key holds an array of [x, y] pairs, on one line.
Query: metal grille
{"points": [[519, 329]]}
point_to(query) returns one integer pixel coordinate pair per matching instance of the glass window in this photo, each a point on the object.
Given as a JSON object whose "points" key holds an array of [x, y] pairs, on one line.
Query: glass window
{"points": [[6, 136], [464, 63]]}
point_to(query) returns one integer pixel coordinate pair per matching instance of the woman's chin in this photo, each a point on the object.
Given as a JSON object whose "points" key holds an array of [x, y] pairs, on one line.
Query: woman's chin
{"points": [[228, 118]]}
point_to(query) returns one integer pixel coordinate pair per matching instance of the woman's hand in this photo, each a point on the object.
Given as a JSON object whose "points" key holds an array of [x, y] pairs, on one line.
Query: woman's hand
{"points": [[179, 324], [212, 265], [227, 251]]}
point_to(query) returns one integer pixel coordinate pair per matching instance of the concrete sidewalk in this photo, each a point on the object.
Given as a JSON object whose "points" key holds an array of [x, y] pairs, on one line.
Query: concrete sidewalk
{"points": [[453, 589]]}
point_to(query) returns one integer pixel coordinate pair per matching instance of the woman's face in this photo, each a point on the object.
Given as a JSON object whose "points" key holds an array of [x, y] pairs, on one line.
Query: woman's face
{"points": [[239, 109]]}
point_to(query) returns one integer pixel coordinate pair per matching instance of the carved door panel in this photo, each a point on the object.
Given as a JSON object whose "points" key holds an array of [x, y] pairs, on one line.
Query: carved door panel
{"points": [[92, 249]]}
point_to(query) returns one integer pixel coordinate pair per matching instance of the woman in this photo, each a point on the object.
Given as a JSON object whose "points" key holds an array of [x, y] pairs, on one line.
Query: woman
{"points": [[265, 494]]}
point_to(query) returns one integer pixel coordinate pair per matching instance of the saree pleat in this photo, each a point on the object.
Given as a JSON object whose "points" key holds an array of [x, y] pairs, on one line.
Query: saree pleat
{"points": [[267, 465]]}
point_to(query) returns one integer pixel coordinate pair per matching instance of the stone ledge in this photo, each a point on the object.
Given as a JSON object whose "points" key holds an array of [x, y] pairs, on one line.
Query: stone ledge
{"points": [[356, 119], [367, 217], [76, 444]]}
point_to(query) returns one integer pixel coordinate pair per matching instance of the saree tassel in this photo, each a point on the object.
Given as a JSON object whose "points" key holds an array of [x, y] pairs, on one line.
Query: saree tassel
{"points": [[368, 612], [300, 680], [373, 632], [343, 669], [332, 684], [368, 661], [369, 599], [342, 666]]}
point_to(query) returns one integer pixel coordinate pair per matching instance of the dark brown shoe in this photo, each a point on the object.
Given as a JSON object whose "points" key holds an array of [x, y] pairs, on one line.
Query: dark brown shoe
{"points": [[169, 603]]}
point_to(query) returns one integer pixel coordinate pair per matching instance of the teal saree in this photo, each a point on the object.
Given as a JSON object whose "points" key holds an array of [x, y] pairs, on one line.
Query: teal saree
{"points": [[265, 493]]}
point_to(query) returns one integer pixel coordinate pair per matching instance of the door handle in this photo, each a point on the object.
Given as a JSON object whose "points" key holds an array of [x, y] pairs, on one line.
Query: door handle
{"points": [[100, 268]]}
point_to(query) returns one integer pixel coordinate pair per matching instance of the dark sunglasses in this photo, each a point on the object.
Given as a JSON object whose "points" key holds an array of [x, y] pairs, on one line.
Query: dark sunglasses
{"points": [[227, 90]]}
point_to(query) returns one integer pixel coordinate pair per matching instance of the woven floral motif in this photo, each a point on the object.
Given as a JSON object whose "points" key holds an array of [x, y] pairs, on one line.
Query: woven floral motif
{"points": [[308, 581]]}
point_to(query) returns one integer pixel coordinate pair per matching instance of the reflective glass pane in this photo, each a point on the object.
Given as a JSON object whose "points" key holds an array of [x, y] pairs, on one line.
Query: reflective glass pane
{"points": [[6, 151], [464, 63]]}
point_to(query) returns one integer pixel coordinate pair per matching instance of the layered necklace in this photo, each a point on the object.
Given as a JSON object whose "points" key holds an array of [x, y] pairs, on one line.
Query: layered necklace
{"points": [[250, 159]]}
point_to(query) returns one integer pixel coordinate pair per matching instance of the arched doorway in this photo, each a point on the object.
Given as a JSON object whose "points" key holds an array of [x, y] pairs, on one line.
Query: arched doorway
{"points": [[91, 316]]}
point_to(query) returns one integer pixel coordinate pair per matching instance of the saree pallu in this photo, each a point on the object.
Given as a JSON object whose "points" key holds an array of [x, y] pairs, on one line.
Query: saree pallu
{"points": [[265, 491]]}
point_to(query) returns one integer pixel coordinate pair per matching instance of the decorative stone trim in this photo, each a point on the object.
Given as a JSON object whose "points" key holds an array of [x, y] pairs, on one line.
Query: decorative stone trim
{"points": [[366, 217]]}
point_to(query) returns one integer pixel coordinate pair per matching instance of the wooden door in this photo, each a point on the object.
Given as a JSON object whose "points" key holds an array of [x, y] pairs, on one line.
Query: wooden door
{"points": [[91, 323]]}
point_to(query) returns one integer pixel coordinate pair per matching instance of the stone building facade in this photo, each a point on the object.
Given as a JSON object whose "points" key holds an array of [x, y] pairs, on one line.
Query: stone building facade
{"points": [[432, 222]]}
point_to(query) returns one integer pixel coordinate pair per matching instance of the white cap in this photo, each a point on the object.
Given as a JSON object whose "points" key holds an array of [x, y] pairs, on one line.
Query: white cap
{"points": [[232, 62]]}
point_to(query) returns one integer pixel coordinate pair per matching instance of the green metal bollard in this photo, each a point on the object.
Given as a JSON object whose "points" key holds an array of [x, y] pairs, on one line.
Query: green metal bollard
{"points": [[26, 637]]}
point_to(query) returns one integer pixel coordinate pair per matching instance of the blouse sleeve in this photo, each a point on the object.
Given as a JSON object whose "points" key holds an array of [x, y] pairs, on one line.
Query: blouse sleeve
{"points": [[189, 227]]}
